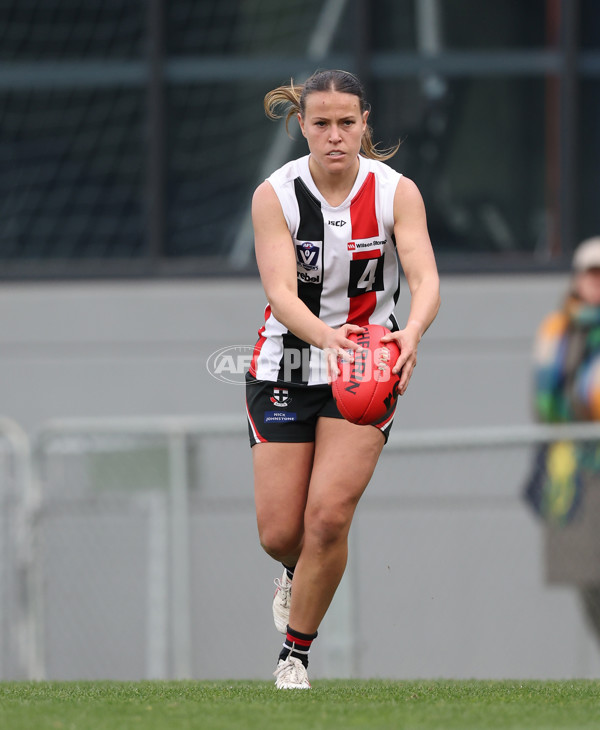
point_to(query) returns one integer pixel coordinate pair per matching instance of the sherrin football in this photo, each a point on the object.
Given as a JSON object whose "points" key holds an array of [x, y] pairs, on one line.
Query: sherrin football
{"points": [[366, 391]]}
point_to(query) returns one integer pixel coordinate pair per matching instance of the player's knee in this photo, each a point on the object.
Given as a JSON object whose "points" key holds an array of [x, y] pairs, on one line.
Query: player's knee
{"points": [[327, 525], [279, 543]]}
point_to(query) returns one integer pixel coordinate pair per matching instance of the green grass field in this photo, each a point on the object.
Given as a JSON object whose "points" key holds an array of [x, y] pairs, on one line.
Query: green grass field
{"points": [[330, 704]]}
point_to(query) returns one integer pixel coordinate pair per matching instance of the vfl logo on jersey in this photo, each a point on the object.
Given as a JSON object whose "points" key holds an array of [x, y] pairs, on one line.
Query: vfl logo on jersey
{"points": [[280, 398], [308, 258], [308, 254]]}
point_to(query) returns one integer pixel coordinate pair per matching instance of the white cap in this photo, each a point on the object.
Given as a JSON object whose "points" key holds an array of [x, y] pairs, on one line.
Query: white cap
{"points": [[587, 255]]}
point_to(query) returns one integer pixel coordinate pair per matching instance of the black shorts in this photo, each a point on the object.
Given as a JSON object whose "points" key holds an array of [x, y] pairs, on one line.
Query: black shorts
{"points": [[288, 413]]}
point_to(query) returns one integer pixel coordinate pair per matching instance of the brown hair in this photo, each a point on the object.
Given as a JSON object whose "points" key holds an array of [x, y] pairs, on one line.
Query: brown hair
{"points": [[293, 96]]}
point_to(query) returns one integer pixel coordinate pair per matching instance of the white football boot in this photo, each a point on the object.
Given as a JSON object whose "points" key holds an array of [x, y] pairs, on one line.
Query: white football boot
{"points": [[291, 674], [282, 600]]}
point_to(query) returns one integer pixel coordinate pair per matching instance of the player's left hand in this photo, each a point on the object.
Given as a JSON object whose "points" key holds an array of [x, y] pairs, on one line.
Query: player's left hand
{"points": [[408, 341]]}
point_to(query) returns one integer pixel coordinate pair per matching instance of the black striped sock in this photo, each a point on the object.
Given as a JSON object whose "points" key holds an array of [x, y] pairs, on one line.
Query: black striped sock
{"points": [[297, 645], [289, 571]]}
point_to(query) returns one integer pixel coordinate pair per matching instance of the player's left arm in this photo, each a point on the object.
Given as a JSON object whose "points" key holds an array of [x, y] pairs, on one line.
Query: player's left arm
{"points": [[418, 262]]}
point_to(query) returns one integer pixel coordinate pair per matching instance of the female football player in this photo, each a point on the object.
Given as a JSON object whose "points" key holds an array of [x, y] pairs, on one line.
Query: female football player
{"points": [[329, 229]]}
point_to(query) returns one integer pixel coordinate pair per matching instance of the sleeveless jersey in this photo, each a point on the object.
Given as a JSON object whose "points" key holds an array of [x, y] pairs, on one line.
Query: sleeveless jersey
{"points": [[347, 265]]}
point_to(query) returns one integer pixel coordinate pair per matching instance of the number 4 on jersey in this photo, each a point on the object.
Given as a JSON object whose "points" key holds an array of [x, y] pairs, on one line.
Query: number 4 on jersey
{"points": [[366, 275], [367, 279]]}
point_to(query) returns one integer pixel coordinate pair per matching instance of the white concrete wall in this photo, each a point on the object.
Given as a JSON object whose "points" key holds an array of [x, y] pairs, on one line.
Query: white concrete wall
{"points": [[141, 347]]}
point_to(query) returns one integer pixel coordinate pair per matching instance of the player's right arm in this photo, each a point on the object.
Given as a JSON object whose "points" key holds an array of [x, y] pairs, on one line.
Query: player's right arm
{"points": [[276, 261]]}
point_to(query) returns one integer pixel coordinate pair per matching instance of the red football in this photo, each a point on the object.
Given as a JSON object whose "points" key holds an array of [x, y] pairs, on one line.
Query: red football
{"points": [[366, 390]]}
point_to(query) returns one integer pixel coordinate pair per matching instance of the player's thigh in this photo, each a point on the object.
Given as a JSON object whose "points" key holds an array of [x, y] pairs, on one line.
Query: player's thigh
{"points": [[281, 478], [345, 457]]}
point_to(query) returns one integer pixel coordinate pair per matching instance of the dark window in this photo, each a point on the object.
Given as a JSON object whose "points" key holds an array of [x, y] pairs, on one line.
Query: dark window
{"points": [[132, 134]]}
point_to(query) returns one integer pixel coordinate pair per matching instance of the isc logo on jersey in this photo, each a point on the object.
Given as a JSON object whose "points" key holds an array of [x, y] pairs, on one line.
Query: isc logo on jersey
{"points": [[308, 257]]}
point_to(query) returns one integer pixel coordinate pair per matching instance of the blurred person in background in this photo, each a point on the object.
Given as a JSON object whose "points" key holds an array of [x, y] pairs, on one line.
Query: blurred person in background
{"points": [[329, 231], [564, 488]]}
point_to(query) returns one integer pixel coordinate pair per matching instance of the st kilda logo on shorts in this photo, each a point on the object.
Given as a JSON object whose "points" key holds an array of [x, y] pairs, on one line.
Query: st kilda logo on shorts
{"points": [[280, 398]]}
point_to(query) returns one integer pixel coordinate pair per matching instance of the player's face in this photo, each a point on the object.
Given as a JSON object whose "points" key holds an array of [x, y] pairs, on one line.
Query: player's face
{"points": [[333, 126]]}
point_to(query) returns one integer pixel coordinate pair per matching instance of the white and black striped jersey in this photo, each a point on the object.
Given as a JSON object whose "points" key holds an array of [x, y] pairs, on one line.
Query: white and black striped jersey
{"points": [[347, 265]]}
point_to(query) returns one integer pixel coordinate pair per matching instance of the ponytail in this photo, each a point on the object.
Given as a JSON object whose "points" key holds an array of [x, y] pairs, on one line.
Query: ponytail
{"points": [[282, 96], [370, 149]]}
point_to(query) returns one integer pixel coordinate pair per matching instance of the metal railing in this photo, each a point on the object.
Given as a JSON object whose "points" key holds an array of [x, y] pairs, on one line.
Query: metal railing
{"points": [[168, 618]]}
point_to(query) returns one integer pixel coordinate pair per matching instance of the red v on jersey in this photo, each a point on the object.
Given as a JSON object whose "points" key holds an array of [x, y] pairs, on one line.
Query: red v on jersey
{"points": [[363, 213], [363, 220]]}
